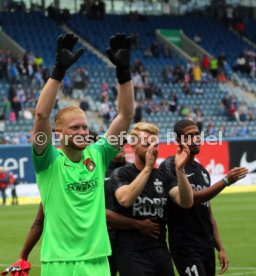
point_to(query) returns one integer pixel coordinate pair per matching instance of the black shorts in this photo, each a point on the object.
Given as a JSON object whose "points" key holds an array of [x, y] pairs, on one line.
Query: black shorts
{"points": [[194, 262], [112, 258], [149, 262]]}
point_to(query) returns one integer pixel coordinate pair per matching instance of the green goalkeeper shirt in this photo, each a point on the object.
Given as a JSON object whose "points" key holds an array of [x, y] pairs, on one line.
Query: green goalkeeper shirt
{"points": [[72, 195]]}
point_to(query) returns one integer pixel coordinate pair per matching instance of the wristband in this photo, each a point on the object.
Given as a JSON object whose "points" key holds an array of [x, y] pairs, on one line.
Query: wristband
{"points": [[226, 181], [123, 75], [57, 73]]}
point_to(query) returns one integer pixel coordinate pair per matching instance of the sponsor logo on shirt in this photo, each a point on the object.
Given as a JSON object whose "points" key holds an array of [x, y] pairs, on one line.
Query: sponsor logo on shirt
{"points": [[188, 175], [206, 179], [67, 165], [145, 206], [158, 186], [82, 187], [200, 188]]}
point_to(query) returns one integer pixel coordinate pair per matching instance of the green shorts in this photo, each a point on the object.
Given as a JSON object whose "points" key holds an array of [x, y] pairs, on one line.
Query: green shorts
{"points": [[94, 267]]}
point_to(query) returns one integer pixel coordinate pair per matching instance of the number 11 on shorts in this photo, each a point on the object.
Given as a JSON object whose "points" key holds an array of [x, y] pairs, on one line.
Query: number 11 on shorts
{"points": [[191, 271]]}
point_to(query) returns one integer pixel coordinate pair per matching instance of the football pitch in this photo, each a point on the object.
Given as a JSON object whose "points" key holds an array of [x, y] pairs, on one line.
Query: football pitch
{"points": [[235, 214]]}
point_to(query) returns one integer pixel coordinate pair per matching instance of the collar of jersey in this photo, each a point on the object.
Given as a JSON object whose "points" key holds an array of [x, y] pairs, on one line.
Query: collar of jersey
{"points": [[69, 162]]}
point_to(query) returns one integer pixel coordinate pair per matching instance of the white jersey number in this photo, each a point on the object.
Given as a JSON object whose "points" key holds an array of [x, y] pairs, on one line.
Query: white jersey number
{"points": [[192, 271]]}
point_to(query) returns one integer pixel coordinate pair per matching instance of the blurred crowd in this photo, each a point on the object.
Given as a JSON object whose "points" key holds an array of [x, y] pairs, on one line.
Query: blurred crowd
{"points": [[25, 76]]}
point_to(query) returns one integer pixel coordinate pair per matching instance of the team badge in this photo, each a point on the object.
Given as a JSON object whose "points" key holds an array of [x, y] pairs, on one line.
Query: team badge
{"points": [[158, 186], [90, 165], [206, 179]]}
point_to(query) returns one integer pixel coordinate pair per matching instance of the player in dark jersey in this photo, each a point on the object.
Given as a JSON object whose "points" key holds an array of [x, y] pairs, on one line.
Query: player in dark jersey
{"points": [[117, 221], [142, 191], [193, 232], [117, 162]]}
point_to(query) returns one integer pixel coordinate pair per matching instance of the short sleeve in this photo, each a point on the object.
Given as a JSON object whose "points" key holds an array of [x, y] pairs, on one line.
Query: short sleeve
{"points": [[43, 161], [107, 151], [167, 169], [119, 178]]}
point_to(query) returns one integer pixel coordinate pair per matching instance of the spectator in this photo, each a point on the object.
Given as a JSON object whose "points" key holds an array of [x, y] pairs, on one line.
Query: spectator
{"points": [[186, 89], [205, 63], [67, 86], [173, 102], [251, 116], [221, 60], [184, 111], [38, 61], [243, 130], [13, 183], [199, 119], [167, 74], [167, 51], [104, 111], [211, 130], [178, 74], [243, 112], [80, 78], [6, 109], [138, 112], [15, 103], [239, 25], [197, 73], [84, 104], [233, 113], [4, 181], [214, 67], [104, 89]]}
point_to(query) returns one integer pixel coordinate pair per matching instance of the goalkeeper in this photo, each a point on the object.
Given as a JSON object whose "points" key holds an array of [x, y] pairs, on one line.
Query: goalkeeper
{"points": [[71, 180]]}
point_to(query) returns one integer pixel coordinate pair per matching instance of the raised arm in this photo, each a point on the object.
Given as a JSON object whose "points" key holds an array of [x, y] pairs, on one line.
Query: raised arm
{"points": [[232, 177], [127, 194], [119, 54], [183, 194], [222, 256], [64, 59]]}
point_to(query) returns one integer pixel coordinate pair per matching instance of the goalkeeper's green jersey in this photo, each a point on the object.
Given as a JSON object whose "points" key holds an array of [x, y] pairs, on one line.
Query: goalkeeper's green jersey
{"points": [[72, 195]]}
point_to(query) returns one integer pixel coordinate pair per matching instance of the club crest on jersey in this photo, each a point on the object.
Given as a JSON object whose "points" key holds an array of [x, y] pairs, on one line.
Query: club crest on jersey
{"points": [[90, 165], [206, 179], [158, 186]]}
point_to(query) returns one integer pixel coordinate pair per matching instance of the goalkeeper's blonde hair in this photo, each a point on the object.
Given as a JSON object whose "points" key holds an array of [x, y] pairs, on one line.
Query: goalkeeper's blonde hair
{"points": [[58, 120], [145, 127]]}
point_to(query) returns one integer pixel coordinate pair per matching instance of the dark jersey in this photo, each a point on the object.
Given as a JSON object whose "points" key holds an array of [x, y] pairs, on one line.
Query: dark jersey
{"points": [[108, 184], [109, 191], [190, 227], [152, 202]]}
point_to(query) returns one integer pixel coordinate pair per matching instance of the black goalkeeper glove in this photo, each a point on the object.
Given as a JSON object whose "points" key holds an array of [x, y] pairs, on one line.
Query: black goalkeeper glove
{"points": [[64, 56], [119, 54]]}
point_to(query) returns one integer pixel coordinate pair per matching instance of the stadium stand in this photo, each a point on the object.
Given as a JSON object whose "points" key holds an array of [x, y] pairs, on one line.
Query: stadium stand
{"points": [[28, 29]]}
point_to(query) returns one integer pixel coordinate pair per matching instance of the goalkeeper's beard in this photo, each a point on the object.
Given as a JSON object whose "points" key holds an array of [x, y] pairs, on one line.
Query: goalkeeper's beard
{"points": [[77, 145]]}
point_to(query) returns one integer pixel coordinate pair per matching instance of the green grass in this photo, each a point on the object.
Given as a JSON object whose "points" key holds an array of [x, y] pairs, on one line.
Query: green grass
{"points": [[236, 218], [235, 215], [15, 224]]}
